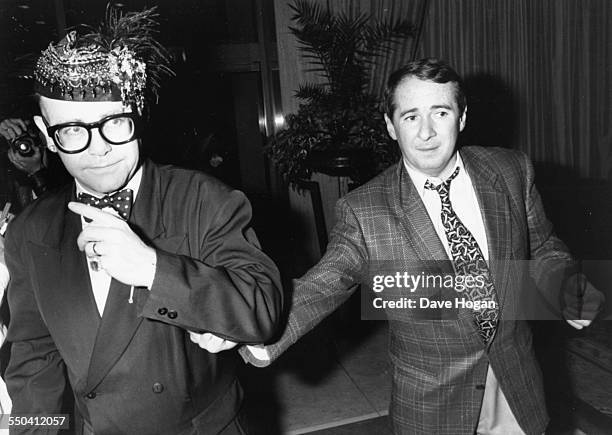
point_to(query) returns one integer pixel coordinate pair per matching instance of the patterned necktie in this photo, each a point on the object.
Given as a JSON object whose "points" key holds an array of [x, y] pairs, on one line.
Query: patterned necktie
{"points": [[468, 260], [120, 201]]}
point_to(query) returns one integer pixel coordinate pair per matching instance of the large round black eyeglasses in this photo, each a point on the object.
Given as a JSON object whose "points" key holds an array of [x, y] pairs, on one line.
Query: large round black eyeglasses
{"points": [[74, 137]]}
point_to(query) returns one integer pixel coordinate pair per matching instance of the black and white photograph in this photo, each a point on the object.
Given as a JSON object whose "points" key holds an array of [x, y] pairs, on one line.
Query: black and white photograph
{"points": [[326, 217]]}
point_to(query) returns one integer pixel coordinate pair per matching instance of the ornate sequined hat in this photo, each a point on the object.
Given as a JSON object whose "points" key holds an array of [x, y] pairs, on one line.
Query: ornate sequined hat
{"points": [[121, 61]]}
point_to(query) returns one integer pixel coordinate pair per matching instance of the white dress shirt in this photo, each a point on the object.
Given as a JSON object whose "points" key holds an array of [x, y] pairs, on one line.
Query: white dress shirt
{"points": [[100, 280], [496, 417]]}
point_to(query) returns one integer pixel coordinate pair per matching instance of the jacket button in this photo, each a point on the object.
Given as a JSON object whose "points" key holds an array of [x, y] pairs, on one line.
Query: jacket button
{"points": [[162, 311], [158, 388], [480, 387], [172, 314], [91, 395]]}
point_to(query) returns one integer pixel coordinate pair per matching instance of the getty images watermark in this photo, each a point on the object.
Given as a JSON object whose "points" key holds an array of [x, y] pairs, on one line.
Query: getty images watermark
{"points": [[412, 283], [432, 290]]}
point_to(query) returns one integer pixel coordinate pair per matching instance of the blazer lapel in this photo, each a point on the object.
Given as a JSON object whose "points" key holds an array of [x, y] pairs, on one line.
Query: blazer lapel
{"points": [[146, 218], [415, 220], [65, 292], [495, 209], [120, 321]]}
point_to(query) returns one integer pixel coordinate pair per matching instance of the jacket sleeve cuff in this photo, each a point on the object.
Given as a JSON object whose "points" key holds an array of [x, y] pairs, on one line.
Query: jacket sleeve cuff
{"points": [[166, 301]]}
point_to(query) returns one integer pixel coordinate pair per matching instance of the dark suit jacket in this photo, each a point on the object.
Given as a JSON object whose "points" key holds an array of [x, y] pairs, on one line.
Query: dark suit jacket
{"points": [[439, 366], [135, 370]]}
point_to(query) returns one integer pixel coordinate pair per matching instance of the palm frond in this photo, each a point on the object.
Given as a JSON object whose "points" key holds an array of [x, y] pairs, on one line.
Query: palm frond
{"points": [[311, 14], [340, 114], [340, 47], [378, 35], [311, 92]]}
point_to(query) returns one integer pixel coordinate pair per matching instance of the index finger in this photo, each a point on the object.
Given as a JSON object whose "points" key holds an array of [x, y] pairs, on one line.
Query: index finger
{"points": [[93, 213], [7, 132], [13, 129]]}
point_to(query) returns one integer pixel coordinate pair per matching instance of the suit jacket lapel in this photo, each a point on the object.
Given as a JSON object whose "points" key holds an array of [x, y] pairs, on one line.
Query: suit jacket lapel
{"points": [[415, 220], [65, 294], [495, 209], [121, 319], [119, 324], [146, 218]]}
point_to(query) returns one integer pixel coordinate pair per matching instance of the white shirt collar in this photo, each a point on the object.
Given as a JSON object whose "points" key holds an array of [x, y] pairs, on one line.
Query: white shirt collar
{"points": [[419, 178], [133, 184]]}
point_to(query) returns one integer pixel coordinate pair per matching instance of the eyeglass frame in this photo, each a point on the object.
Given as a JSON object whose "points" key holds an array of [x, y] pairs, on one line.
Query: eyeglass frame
{"points": [[89, 126]]}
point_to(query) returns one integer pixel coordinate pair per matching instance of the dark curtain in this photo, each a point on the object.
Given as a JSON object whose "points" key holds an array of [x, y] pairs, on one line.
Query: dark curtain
{"points": [[545, 68]]}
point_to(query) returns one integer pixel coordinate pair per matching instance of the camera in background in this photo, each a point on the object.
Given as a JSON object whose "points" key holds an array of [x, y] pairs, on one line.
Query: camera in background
{"points": [[25, 143]]}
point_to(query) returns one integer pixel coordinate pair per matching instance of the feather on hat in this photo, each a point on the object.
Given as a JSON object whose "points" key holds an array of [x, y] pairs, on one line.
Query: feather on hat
{"points": [[121, 61]]}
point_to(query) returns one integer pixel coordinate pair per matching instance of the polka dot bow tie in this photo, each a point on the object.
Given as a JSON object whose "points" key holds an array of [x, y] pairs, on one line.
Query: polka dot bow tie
{"points": [[120, 201]]}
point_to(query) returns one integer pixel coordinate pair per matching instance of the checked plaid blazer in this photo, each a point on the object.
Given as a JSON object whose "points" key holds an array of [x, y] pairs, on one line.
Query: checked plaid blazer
{"points": [[439, 366]]}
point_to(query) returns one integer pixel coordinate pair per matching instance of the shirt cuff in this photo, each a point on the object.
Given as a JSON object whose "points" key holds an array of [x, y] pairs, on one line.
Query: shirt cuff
{"points": [[255, 355], [152, 271], [259, 352]]}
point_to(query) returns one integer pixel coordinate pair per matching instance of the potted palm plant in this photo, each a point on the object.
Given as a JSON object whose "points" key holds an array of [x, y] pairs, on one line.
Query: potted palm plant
{"points": [[338, 128]]}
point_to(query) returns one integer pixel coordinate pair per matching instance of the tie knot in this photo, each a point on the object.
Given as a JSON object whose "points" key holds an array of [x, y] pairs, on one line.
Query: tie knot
{"points": [[120, 201], [444, 187]]}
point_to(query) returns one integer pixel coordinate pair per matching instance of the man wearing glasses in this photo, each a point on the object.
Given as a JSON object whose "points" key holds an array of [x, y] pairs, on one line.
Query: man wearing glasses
{"points": [[113, 277]]}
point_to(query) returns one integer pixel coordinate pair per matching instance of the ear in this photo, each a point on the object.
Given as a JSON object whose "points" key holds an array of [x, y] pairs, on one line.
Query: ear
{"points": [[462, 119], [390, 128], [43, 129]]}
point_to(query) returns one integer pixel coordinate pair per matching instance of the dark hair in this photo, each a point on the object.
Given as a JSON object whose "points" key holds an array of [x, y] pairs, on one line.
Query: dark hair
{"points": [[428, 69]]}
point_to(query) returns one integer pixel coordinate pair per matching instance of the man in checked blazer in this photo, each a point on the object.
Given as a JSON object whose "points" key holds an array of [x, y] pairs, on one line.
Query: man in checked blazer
{"points": [[446, 379]]}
